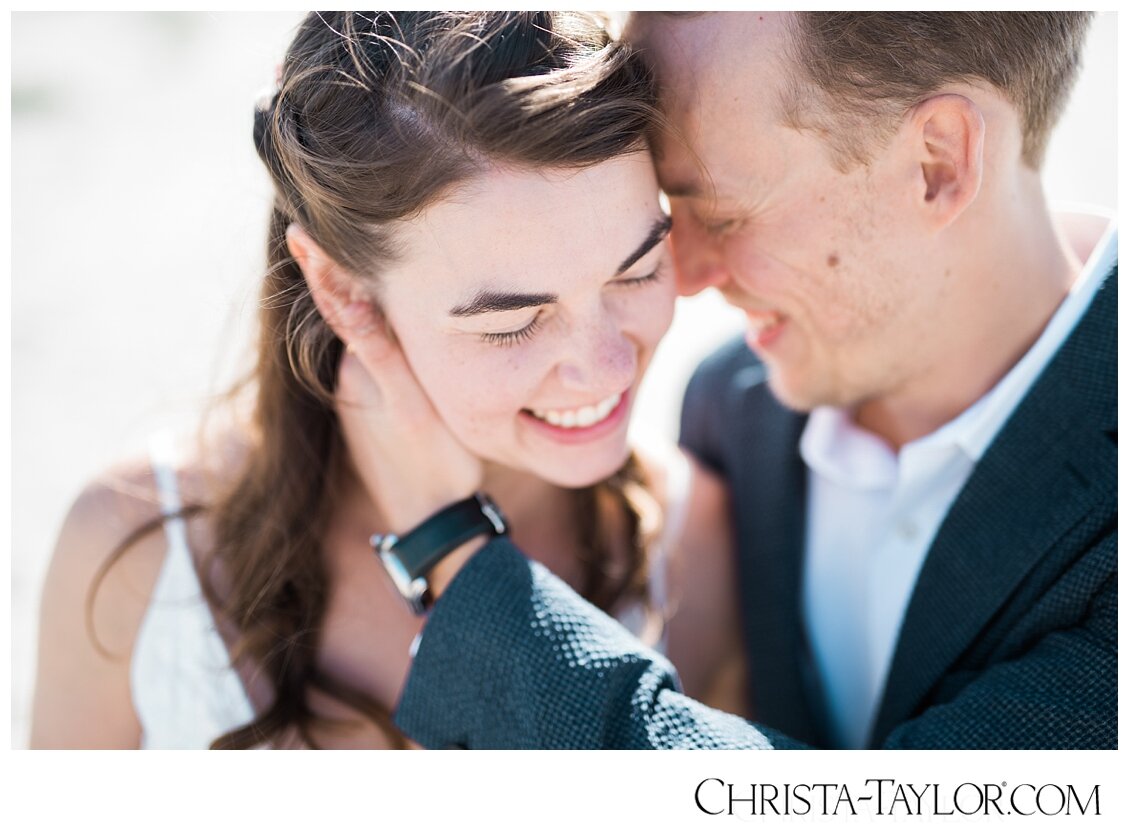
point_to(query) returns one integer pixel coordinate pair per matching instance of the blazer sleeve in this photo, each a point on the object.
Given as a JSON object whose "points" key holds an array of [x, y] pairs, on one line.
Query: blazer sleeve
{"points": [[512, 658]]}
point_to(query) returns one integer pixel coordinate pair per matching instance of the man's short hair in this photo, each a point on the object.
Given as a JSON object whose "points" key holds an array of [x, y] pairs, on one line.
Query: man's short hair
{"points": [[859, 72]]}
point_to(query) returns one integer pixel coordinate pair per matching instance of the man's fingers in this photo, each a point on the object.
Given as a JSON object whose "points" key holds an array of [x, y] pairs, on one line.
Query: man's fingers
{"points": [[362, 322], [356, 389], [375, 375], [383, 358], [373, 342]]}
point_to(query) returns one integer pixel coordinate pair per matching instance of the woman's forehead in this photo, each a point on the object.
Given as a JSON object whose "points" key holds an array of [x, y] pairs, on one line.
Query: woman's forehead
{"points": [[522, 228]]}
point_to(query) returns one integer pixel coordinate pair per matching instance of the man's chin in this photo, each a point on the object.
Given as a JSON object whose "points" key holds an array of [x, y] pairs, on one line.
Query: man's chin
{"points": [[790, 394]]}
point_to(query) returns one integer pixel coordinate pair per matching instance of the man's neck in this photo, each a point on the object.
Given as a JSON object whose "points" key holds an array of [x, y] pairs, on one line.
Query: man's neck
{"points": [[1016, 279]]}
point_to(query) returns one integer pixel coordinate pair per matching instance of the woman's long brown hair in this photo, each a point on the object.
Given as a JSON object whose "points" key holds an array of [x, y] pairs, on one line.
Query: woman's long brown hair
{"points": [[377, 115]]}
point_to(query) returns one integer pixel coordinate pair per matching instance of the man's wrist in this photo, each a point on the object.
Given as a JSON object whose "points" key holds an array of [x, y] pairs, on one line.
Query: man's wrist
{"points": [[447, 538], [448, 568]]}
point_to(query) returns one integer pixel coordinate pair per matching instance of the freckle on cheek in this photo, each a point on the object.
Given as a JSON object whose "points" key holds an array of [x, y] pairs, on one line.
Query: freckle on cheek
{"points": [[833, 260]]}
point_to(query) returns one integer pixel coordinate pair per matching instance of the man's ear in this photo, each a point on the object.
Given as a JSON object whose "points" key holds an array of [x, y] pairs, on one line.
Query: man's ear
{"points": [[948, 130], [337, 294]]}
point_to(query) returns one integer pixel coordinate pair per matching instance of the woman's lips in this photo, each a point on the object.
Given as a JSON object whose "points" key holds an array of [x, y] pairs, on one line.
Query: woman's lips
{"points": [[575, 435]]}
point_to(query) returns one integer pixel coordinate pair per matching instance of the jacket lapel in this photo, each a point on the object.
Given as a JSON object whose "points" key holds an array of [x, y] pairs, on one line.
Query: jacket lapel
{"points": [[1054, 460]]}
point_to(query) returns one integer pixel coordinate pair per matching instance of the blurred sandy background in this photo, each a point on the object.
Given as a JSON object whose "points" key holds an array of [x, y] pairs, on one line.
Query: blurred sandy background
{"points": [[138, 217]]}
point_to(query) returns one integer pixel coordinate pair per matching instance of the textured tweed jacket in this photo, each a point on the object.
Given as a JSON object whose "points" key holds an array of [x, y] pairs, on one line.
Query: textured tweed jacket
{"points": [[1009, 639]]}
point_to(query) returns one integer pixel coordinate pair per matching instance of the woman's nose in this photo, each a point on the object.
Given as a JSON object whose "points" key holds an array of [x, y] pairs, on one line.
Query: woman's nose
{"points": [[600, 361]]}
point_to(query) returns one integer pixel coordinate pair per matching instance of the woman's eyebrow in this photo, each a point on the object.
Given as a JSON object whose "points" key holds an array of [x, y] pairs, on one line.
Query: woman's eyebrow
{"points": [[488, 300], [500, 301], [659, 229]]}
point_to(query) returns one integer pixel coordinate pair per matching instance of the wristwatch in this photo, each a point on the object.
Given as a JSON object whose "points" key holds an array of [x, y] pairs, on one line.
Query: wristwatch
{"points": [[409, 557]]}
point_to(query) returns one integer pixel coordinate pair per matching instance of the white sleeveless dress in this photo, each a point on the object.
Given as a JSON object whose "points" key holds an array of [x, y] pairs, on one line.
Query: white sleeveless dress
{"points": [[186, 692]]}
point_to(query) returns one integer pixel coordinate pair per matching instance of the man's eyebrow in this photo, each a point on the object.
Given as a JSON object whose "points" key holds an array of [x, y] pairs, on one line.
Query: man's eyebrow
{"points": [[500, 301], [659, 229]]}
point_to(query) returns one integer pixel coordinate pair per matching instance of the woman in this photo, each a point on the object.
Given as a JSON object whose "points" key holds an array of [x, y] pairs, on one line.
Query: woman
{"points": [[477, 185]]}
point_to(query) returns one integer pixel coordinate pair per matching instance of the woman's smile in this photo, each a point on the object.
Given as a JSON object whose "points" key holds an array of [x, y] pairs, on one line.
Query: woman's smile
{"points": [[580, 417], [584, 425]]}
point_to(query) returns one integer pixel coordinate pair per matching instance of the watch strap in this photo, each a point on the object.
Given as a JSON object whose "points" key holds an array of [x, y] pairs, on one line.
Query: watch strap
{"points": [[424, 546]]}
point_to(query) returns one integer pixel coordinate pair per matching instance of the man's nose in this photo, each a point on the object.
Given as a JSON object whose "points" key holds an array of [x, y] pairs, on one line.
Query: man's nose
{"points": [[698, 260]]}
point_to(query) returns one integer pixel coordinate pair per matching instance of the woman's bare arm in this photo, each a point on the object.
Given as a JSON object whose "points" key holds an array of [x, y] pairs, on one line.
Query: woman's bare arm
{"points": [[82, 689]]}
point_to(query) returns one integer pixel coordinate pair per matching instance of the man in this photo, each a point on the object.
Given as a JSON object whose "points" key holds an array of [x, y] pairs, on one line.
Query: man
{"points": [[921, 445]]}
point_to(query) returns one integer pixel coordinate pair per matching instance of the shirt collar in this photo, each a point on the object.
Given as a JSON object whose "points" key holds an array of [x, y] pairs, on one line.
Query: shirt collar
{"points": [[835, 448]]}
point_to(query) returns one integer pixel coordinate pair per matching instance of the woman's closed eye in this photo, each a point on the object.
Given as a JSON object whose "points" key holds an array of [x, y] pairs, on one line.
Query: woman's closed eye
{"points": [[517, 336], [654, 276], [509, 339]]}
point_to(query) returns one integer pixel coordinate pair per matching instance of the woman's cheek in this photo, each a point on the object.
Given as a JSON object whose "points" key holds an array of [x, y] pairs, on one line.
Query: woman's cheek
{"points": [[652, 315], [484, 389]]}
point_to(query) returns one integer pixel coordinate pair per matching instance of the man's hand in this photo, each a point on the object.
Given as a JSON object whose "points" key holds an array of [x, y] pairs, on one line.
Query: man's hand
{"points": [[405, 455]]}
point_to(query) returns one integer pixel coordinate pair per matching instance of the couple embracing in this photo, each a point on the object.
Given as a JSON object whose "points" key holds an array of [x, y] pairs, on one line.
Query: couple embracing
{"points": [[892, 519]]}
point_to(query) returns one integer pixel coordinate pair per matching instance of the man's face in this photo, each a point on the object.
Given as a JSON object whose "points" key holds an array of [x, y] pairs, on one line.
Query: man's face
{"points": [[823, 262]]}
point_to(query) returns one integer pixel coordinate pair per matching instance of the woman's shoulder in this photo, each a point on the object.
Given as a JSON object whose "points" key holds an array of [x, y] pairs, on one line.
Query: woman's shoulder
{"points": [[684, 487], [113, 514], [106, 564], [703, 627], [112, 542], [696, 523], [91, 609], [122, 509]]}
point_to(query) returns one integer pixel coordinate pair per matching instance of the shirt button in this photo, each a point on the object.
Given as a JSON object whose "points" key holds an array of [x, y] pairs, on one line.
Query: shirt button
{"points": [[907, 530]]}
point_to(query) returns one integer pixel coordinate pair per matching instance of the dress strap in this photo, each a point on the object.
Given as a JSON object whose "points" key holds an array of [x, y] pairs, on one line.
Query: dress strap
{"points": [[185, 691], [164, 457]]}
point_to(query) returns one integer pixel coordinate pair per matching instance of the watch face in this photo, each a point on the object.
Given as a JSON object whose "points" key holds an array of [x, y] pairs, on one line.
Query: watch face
{"points": [[413, 590]]}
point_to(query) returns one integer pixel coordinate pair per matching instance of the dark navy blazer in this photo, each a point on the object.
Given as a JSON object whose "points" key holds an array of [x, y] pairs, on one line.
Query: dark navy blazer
{"points": [[1009, 639]]}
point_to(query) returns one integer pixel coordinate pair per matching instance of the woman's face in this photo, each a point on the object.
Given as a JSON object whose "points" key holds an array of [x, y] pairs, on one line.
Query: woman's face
{"points": [[529, 303]]}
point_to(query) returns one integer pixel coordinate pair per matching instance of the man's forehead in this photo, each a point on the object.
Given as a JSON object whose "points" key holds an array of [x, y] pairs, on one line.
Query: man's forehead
{"points": [[700, 54], [720, 76]]}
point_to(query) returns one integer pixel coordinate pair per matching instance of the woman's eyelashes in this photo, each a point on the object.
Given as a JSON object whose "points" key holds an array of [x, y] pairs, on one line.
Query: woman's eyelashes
{"points": [[650, 278], [509, 339]]}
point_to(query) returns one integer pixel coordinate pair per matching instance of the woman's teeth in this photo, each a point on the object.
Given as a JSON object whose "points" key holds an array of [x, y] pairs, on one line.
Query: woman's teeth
{"points": [[581, 417]]}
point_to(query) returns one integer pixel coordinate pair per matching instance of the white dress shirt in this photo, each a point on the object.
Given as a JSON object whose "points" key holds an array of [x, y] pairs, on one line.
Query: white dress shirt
{"points": [[873, 513]]}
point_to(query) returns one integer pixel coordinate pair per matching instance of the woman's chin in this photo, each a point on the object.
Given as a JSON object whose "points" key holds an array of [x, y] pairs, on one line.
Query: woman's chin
{"points": [[577, 475]]}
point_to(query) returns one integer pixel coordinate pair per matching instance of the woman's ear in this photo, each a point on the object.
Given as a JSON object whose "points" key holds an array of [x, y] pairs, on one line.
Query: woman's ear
{"points": [[338, 295]]}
